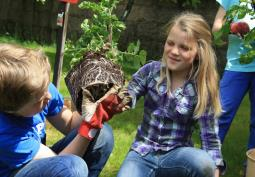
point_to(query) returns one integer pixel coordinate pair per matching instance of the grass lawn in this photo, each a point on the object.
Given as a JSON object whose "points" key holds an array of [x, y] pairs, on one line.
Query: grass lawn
{"points": [[124, 127]]}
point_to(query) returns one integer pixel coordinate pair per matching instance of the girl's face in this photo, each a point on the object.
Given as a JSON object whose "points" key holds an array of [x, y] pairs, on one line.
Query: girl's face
{"points": [[179, 51], [35, 107]]}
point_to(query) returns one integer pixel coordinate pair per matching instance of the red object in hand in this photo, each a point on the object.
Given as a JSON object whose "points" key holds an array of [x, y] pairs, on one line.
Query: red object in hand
{"points": [[241, 28], [105, 110], [70, 1], [111, 106]]}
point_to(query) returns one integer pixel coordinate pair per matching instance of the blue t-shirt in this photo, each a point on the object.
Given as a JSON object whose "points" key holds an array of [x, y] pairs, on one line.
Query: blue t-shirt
{"points": [[20, 137], [235, 43]]}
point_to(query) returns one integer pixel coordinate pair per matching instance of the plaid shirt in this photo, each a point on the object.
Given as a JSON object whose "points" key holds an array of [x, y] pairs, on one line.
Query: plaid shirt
{"points": [[168, 120]]}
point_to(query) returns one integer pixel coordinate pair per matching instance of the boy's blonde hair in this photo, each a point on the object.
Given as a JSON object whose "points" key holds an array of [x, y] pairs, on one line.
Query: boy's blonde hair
{"points": [[203, 70], [24, 75]]}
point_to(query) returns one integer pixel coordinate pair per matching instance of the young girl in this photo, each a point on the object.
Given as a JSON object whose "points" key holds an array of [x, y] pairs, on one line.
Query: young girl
{"points": [[179, 91]]}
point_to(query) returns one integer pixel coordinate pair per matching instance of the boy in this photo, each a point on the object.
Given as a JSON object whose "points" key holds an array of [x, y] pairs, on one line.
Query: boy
{"points": [[27, 99]]}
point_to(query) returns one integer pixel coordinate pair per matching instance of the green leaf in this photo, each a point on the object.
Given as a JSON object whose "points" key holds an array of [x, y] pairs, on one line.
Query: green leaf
{"points": [[96, 32]]}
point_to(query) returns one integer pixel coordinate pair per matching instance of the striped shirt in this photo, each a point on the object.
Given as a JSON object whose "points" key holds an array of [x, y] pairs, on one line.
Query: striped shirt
{"points": [[168, 120]]}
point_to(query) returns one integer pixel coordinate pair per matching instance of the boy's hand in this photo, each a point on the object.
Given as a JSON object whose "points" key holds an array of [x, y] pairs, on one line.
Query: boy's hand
{"points": [[114, 101], [95, 113], [87, 131], [89, 127], [88, 108]]}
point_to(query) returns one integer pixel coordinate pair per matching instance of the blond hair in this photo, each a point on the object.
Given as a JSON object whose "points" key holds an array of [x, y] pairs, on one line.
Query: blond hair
{"points": [[203, 70], [24, 75]]}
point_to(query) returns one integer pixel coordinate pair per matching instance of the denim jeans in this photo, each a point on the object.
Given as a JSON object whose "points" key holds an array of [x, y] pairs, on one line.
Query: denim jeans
{"points": [[70, 165], [233, 88], [180, 162]]}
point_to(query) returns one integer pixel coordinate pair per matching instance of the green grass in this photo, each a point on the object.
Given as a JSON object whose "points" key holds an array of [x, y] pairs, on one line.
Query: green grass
{"points": [[124, 126]]}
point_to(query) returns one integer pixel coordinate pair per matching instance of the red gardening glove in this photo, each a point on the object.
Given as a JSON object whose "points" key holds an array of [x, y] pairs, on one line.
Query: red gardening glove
{"points": [[95, 113], [108, 107], [89, 107], [87, 131], [115, 101]]}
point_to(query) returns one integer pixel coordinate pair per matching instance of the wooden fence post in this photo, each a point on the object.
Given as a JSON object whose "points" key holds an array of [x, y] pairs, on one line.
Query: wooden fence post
{"points": [[60, 43]]}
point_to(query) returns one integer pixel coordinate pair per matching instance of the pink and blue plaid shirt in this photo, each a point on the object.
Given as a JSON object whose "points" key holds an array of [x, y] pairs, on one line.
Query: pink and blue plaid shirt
{"points": [[168, 120]]}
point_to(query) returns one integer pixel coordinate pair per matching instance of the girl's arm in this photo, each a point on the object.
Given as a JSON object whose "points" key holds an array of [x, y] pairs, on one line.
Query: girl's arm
{"points": [[210, 139], [137, 86]]}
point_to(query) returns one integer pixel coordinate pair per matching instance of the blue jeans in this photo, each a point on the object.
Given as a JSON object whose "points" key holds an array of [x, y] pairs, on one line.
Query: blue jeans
{"points": [[70, 165], [233, 88], [181, 162]]}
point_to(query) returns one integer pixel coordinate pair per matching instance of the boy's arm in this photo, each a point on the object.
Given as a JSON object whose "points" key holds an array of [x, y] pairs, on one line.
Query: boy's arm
{"points": [[78, 147], [44, 152], [219, 19], [65, 120]]}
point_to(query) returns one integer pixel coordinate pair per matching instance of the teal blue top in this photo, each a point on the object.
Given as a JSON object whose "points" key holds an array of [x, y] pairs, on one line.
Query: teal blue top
{"points": [[235, 43]]}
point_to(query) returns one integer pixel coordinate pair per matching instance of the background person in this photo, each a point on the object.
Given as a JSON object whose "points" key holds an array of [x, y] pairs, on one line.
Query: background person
{"points": [[238, 79]]}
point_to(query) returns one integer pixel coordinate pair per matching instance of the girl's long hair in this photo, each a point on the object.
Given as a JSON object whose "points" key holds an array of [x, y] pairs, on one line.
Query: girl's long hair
{"points": [[203, 70]]}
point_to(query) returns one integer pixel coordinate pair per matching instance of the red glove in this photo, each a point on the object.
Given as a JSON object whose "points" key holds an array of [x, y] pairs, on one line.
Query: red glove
{"points": [[89, 108], [103, 113], [108, 107], [87, 131], [95, 113]]}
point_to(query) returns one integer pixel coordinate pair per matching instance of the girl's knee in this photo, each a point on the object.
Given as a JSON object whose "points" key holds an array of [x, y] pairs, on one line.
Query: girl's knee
{"points": [[204, 166], [206, 170], [199, 162]]}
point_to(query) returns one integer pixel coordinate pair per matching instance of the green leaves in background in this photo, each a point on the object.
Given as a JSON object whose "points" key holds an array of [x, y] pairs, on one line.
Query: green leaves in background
{"points": [[219, 37], [133, 58], [101, 33]]}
